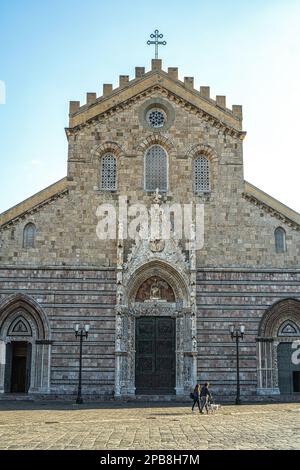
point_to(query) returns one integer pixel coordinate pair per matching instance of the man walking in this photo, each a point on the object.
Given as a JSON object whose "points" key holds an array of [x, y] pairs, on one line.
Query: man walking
{"points": [[205, 397]]}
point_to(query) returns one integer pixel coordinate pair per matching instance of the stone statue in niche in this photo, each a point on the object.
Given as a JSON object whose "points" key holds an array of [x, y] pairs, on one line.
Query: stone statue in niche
{"points": [[155, 291], [157, 198], [194, 344]]}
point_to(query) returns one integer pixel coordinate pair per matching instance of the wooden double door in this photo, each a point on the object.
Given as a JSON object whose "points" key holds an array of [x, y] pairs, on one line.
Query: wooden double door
{"points": [[17, 367], [288, 372], [155, 364]]}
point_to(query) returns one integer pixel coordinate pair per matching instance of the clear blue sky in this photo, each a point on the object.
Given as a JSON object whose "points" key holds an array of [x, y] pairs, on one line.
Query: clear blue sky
{"points": [[54, 51]]}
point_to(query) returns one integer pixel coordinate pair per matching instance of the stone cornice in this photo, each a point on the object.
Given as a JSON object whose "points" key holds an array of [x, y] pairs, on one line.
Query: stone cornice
{"points": [[33, 204], [57, 267], [271, 206]]}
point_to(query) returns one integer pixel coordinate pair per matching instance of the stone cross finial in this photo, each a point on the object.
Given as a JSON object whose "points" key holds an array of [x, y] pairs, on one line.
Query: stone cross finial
{"points": [[156, 42]]}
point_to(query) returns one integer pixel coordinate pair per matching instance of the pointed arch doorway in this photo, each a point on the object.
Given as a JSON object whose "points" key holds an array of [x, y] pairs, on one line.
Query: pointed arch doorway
{"points": [[278, 371], [25, 346]]}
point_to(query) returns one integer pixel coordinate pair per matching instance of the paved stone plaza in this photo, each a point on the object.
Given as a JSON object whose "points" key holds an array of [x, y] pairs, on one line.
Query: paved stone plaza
{"points": [[157, 426]]}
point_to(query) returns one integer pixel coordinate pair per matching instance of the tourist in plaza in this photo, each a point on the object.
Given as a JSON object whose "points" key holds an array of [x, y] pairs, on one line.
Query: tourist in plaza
{"points": [[205, 396], [196, 397]]}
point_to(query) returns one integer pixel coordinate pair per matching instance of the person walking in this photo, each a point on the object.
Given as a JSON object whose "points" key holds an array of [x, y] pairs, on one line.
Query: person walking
{"points": [[205, 397], [196, 397]]}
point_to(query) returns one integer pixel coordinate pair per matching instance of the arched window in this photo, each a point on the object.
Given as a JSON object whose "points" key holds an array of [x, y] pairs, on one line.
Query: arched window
{"points": [[29, 235], [201, 174], [156, 169], [280, 243], [108, 172]]}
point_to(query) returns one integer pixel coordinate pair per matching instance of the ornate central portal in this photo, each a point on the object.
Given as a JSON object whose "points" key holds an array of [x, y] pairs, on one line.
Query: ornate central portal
{"points": [[182, 348], [156, 319], [155, 372]]}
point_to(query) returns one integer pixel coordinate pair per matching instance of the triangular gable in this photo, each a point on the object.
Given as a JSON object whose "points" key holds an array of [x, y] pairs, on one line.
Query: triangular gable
{"points": [[156, 79]]}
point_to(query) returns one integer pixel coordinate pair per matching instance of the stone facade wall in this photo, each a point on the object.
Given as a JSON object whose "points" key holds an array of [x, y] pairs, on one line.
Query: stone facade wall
{"points": [[72, 274], [70, 296], [226, 298], [237, 233]]}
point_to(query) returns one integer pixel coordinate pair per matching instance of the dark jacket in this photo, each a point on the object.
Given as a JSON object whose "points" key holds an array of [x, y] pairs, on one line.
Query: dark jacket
{"points": [[204, 392]]}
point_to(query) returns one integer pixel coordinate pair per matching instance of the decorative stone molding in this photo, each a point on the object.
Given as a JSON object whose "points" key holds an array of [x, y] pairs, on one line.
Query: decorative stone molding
{"points": [[21, 310], [20, 326], [140, 309], [108, 147], [125, 346], [271, 211], [197, 149], [143, 263], [204, 115], [277, 314], [270, 335], [170, 265], [157, 103], [275, 364], [155, 139], [12, 304], [288, 328], [32, 210]]}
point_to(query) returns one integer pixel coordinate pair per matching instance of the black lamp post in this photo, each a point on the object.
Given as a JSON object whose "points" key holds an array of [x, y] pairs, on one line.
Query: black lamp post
{"points": [[81, 334], [237, 334]]}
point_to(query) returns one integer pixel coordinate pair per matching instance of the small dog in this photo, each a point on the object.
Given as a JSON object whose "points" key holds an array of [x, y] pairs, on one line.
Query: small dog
{"points": [[213, 407]]}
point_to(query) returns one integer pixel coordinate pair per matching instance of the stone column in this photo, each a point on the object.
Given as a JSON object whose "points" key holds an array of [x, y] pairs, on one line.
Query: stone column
{"points": [[130, 341], [193, 301], [194, 359], [267, 355], [276, 390], [118, 354], [119, 334], [188, 372], [40, 376], [179, 357], [2, 365]]}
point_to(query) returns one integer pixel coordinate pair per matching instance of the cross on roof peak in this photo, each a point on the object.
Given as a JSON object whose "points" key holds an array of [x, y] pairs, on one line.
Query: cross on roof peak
{"points": [[156, 36]]}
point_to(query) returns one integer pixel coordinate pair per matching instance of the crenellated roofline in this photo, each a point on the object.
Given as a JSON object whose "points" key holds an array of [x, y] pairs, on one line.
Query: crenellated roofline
{"points": [[168, 83]]}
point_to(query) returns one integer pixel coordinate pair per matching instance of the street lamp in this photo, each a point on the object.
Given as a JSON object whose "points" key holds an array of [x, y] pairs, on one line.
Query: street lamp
{"points": [[81, 334], [237, 334]]}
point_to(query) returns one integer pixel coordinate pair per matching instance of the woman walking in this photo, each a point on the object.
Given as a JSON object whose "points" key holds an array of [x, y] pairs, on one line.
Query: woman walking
{"points": [[196, 397]]}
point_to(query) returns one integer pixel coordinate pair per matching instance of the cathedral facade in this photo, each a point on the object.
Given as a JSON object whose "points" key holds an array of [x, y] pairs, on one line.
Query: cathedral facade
{"points": [[159, 308]]}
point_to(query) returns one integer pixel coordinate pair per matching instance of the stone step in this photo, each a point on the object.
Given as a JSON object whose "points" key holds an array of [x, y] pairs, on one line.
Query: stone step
{"points": [[229, 399], [16, 397]]}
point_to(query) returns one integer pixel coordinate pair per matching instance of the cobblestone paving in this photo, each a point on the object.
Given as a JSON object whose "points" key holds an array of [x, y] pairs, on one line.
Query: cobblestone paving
{"points": [[115, 426]]}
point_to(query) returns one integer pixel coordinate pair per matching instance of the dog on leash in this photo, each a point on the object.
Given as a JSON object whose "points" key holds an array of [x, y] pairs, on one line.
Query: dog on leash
{"points": [[213, 407]]}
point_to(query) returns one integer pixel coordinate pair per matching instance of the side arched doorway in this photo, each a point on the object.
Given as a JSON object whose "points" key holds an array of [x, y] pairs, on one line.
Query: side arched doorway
{"points": [[278, 349], [25, 346]]}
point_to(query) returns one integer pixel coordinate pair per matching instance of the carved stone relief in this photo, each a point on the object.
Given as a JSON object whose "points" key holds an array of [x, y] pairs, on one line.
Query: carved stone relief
{"points": [[165, 262]]}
